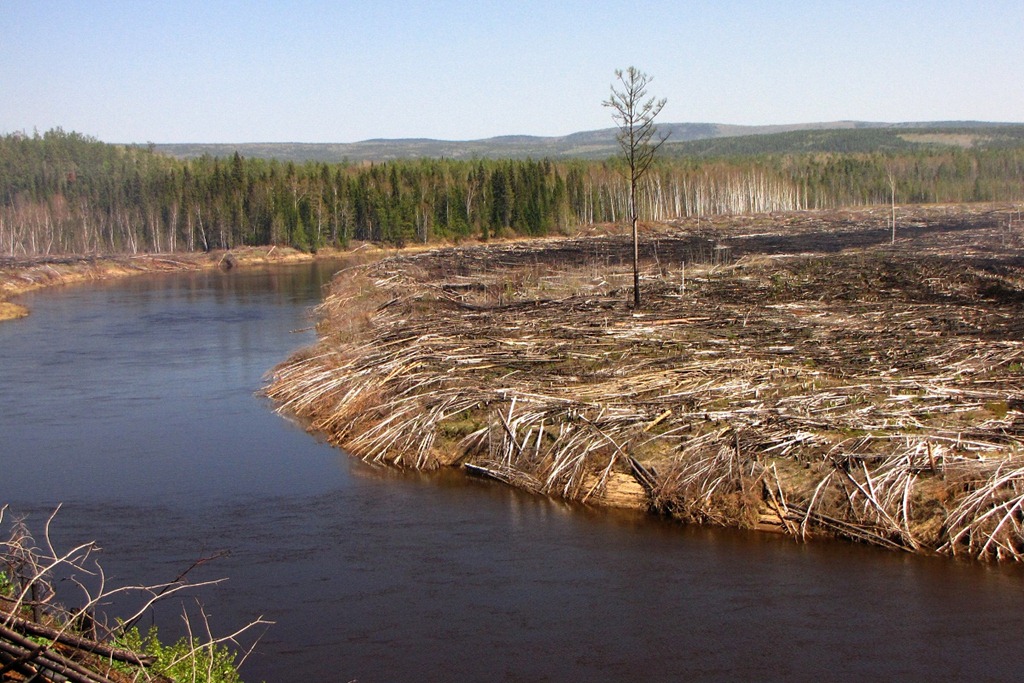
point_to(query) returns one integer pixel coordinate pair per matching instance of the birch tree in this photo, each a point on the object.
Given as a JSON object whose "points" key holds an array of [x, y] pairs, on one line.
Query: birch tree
{"points": [[891, 175], [634, 114]]}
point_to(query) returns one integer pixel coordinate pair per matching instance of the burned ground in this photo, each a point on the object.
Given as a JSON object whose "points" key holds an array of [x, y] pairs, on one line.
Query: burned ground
{"points": [[795, 370]]}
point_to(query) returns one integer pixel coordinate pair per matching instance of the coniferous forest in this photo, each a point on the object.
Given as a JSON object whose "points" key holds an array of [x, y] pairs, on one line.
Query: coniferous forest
{"points": [[64, 192]]}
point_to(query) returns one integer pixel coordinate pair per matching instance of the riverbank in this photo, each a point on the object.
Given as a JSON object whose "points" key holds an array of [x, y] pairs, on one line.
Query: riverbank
{"points": [[21, 275], [44, 640], [795, 372]]}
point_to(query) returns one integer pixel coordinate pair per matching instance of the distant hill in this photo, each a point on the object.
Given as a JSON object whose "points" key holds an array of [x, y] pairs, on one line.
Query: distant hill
{"points": [[699, 139], [851, 141]]}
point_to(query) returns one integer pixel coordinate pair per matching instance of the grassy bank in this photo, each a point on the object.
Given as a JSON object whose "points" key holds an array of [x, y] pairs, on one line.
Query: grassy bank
{"points": [[794, 371]]}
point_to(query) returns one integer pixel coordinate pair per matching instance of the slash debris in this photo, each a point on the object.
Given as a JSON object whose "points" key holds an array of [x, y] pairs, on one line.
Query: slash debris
{"points": [[791, 371]]}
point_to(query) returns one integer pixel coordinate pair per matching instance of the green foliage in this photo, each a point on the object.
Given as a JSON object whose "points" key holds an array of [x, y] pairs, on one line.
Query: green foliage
{"points": [[68, 193], [596, 145], [851, 141], [185, 660]]}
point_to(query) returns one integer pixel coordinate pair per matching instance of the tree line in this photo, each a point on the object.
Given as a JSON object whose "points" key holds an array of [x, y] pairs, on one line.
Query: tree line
{"points": [[852, 141], [64, 192]]}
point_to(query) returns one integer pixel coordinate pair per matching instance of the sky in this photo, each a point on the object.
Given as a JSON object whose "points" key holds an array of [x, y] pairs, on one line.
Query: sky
{"points": [[318, 71]]}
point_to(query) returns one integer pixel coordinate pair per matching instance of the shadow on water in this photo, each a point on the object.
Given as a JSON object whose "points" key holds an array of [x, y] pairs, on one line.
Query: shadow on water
{"points": [[133, 404]]}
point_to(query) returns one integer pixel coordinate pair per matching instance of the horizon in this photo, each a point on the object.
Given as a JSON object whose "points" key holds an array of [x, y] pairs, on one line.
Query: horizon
{"points": [[315, 72], [809, 126]]}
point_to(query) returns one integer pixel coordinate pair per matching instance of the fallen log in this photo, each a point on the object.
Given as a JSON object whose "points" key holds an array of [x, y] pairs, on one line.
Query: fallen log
{"points": [[79, 643], [44, 657]]}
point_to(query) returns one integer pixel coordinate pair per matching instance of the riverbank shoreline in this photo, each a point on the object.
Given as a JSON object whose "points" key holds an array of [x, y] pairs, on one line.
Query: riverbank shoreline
{"points": [[790, 372], [20, 275], [25, 274]]}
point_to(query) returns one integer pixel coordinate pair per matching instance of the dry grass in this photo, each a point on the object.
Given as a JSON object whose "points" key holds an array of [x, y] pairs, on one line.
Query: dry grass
{"points": [[792, 369], [9, 311]]}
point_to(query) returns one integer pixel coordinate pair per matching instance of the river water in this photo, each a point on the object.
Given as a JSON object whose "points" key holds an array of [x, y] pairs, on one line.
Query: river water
{"points": [[133, 405]]}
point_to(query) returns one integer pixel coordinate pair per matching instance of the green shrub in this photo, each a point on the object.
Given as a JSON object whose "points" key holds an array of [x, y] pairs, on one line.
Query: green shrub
{"points": [[186, 660]]}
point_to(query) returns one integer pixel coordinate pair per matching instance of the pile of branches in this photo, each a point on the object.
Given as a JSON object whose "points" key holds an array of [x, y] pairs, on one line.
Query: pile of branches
{"points": [[43, 639], [872, 393]]}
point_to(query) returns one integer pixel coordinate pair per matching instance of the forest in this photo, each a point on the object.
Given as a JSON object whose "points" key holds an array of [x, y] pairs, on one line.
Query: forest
{"points": [[892, 139], [66, 192]]}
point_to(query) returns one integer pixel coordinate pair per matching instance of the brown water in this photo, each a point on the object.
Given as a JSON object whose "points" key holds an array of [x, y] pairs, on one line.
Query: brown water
{"points": [[133, 403]]}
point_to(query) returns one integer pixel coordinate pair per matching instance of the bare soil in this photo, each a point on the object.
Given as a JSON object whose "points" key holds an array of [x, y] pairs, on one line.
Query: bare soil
{"points": [[792, 371]]}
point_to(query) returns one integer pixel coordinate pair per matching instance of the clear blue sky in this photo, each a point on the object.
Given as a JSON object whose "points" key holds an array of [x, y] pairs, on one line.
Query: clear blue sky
{"points": [[319, 71]]}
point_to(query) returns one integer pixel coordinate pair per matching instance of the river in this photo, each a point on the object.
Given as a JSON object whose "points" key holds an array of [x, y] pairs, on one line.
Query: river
{"points": [[133, 404]]}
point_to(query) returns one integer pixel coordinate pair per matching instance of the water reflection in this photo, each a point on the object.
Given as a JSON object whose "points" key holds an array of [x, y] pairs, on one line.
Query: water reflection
{"points": [[133, 403]]}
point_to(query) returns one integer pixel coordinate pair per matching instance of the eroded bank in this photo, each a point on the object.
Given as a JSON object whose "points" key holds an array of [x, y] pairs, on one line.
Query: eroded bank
{"points": [[795, 372]]}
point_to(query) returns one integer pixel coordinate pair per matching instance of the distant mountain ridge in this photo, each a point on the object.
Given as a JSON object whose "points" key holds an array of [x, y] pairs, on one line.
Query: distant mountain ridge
{"points": [[593, 144]]}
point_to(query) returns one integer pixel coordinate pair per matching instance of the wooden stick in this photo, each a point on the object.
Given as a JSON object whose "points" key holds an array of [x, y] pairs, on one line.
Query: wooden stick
{"points": [[80, 643]]}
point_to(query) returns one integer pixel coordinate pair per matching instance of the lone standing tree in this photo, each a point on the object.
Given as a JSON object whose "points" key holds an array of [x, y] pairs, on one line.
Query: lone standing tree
{"points": [[635, 118]]}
